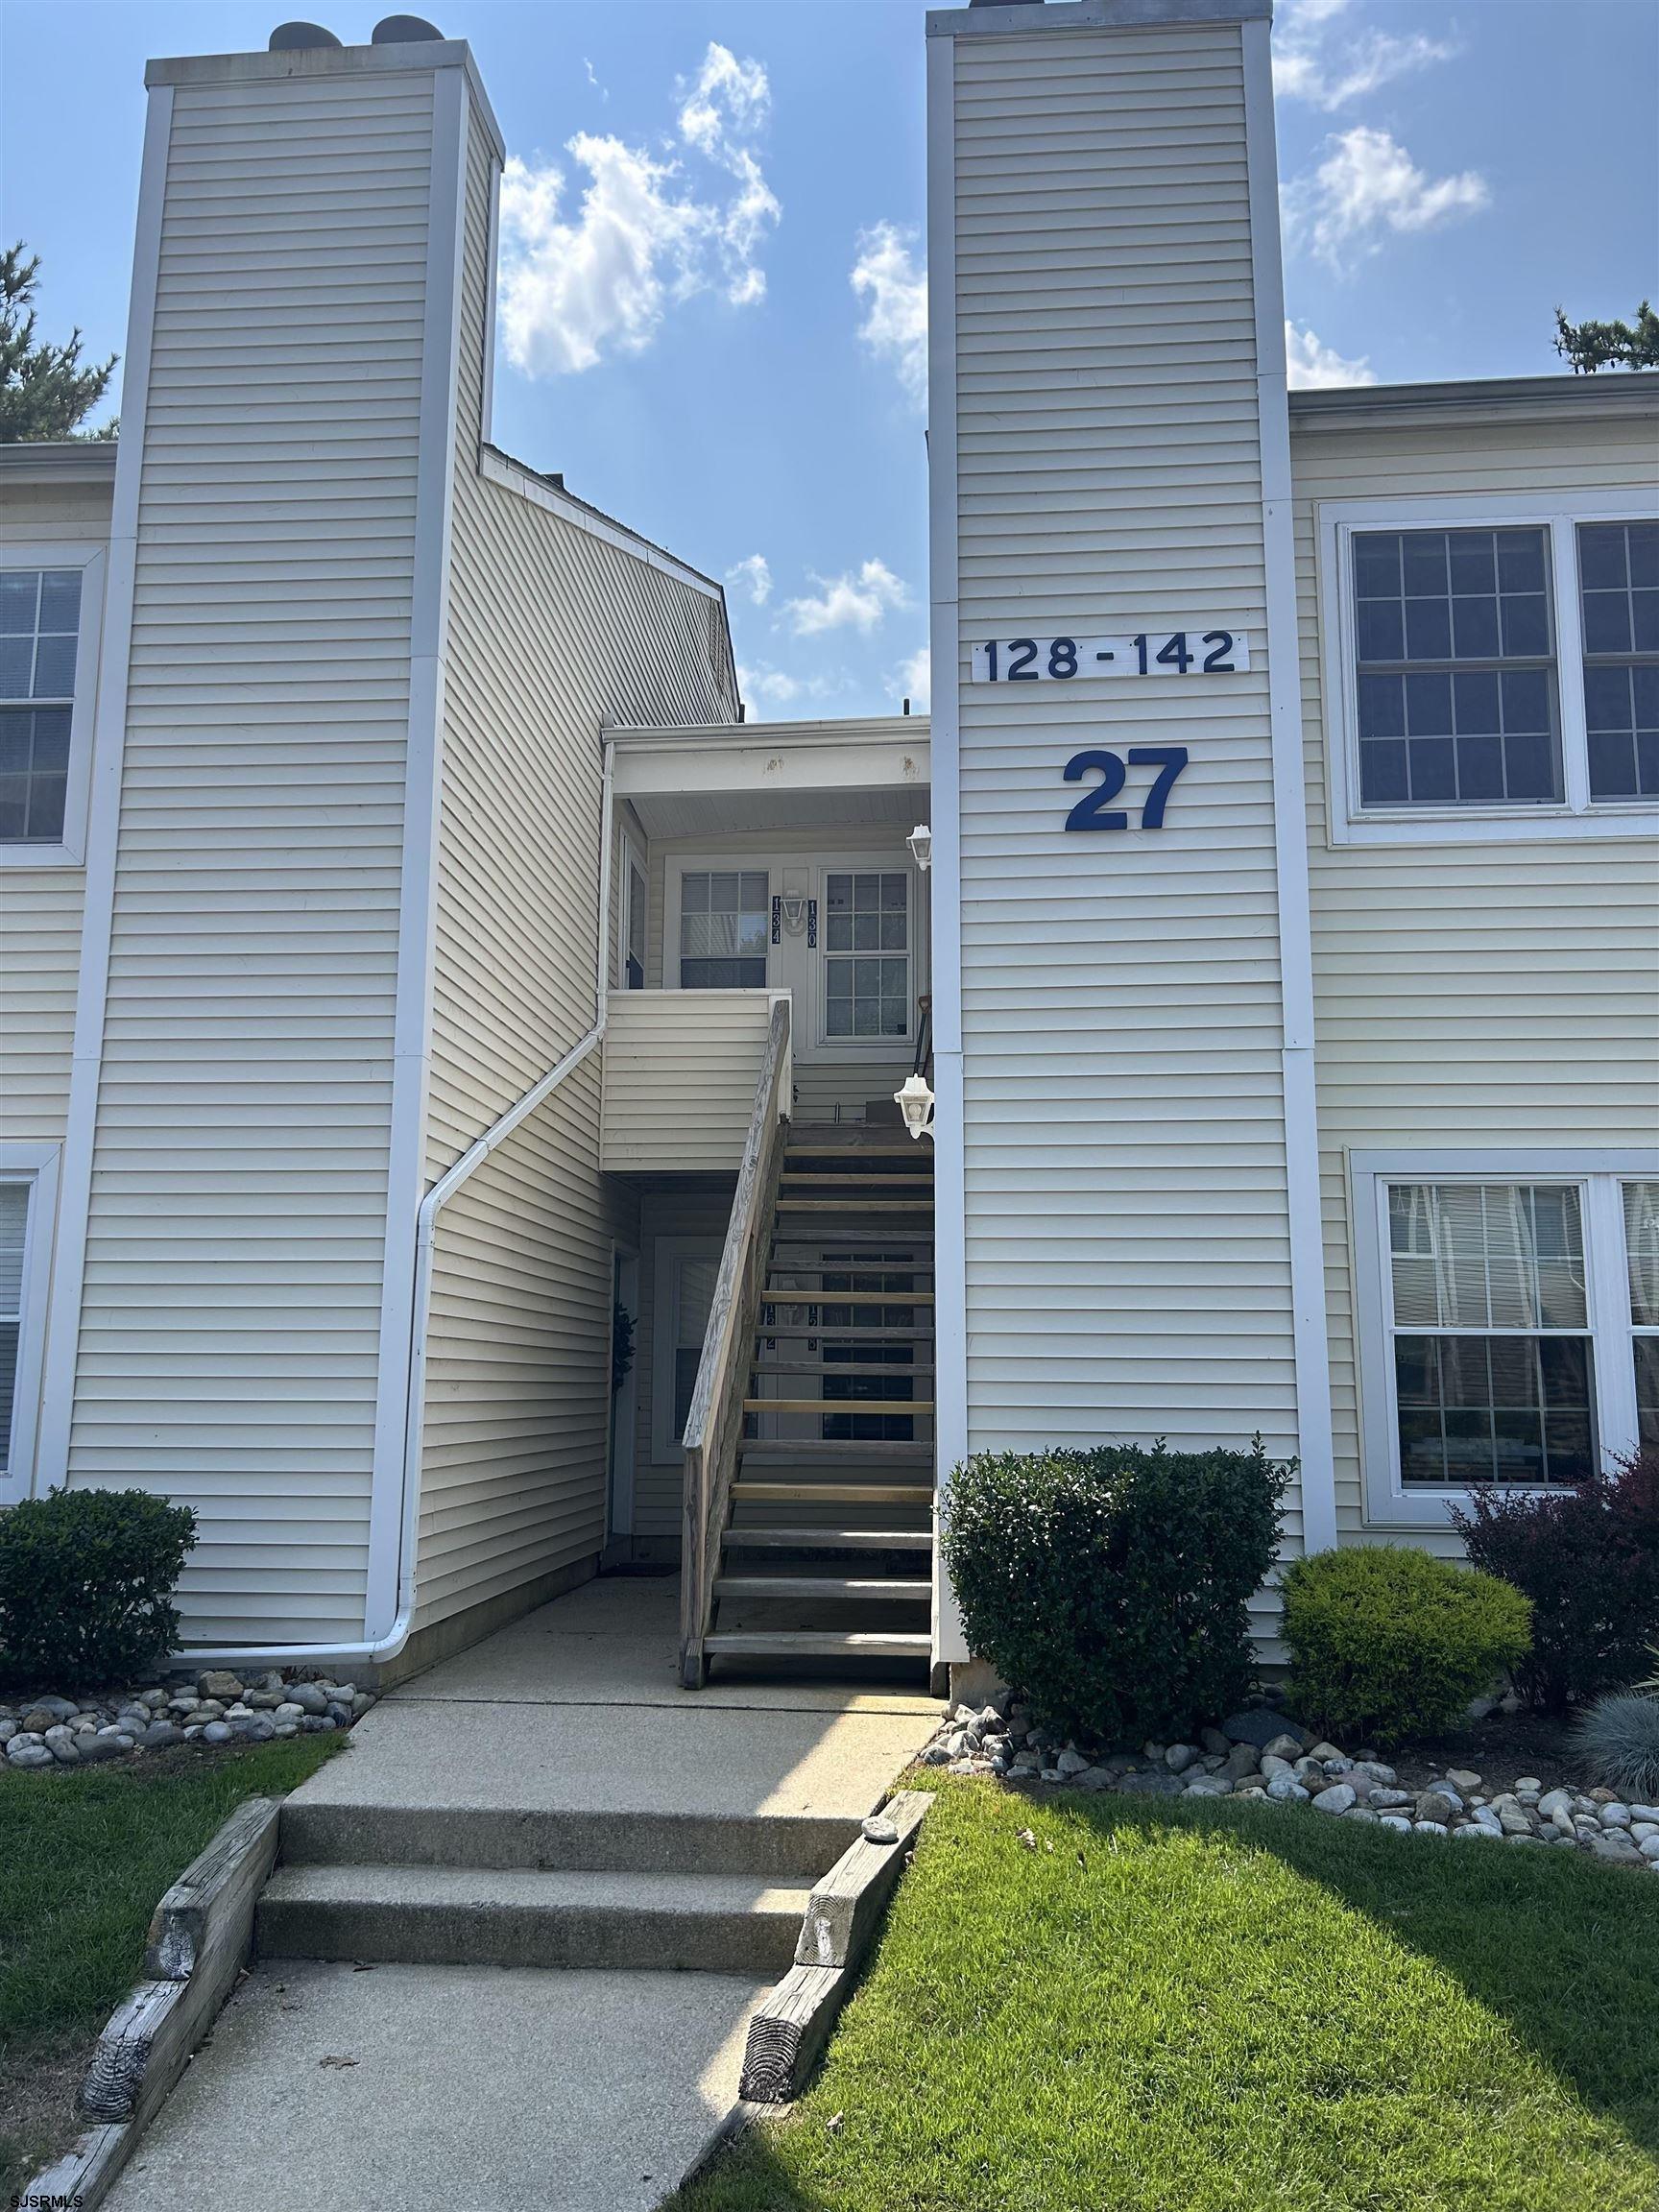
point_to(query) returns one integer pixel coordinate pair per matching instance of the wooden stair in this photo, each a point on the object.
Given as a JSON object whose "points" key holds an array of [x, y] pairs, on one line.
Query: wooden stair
{"points": [[827, 1554]]}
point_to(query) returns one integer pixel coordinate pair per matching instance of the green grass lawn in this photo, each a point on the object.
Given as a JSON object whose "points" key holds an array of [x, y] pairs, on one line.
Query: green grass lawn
{"points": [[84, 1859], [1185, 2010]]}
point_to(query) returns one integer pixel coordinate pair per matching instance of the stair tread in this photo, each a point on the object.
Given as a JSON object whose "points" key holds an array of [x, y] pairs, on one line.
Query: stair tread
{"points": [[829, 1493], [812, 1178], [850, 1335], [555, 1891], [805, 1536], [825, 1643], [898, 1407], [848, 1205], [781, 1452], [782, 1296], [804, 1587], [900, 1371]]}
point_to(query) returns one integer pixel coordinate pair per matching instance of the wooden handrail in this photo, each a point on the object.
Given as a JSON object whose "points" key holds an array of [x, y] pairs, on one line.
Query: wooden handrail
{"points": [[714, 1424]]}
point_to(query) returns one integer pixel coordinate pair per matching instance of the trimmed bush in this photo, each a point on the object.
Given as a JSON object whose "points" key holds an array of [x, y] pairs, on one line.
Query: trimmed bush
{"points": [[1617, 1738], [1386, 1641], [1588, 1557], [1110, 1587], [86, 1580]]}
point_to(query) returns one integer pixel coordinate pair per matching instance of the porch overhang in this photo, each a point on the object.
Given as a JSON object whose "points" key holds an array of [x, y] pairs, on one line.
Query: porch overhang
{"points": [[771, 774]]}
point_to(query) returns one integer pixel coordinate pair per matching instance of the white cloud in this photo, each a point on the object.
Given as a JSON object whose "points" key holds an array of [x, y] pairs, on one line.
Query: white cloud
{"points": [[752, 576], [895, 326], [850, 601], [774, 686], [593, 79], [1368, 184], [1308, 64], [916, 679], [576, 287], [1313, 365]]}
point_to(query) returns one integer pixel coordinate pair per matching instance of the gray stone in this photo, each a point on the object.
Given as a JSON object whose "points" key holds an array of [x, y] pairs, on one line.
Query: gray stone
{"points": [[217, 1732], [1272, 1764], [320, 1724], [364, 1698], [1071, 1762], [1208, 1786], [90, 1749], [1213, 1741], [47, 1713], [309, 1697], [253, 1727], [1261, 1726], [1644, 1812], [1616, 1847], [341, 1716], [1615, 1815], [26, 1755], [59, 1740], [1514, 1821], [1286, 1790], [1556, 1801], [933, 1755], [1460, 1778], [1336, 1799], [879, 1829], [1527, 1782], [1430, 1828], [1094, 1778], [1492, 1835], [1361, 1813], [1327, 1754], [264, 1700], [1439, 1806], [1284, 1747], [1389, 1800], [1395, 1821], [160, 1734], [1650, 1845], [219, 1682], [1243, 1758], [8, 1729], [1180, 1756], [1375, 1770], [1165, 1785]]}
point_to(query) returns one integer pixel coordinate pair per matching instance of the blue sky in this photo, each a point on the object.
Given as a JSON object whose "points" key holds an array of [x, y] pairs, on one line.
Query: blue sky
{"points": [[710, 314]]}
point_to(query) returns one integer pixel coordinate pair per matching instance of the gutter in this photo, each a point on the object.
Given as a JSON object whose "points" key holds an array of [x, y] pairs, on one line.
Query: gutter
{"points": [[379, 1648]]}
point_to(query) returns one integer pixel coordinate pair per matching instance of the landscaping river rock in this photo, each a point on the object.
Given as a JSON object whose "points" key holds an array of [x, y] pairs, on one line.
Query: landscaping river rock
{"points": [[1261, 1757], [212, 1708]]}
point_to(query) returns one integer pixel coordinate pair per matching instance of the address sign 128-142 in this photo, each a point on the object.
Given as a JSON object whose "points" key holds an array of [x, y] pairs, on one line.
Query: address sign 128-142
{"points": [[1214, 652]]}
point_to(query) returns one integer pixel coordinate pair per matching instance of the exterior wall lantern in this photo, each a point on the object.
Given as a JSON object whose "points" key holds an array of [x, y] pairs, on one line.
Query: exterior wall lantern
{"points": [[915, 1101], [920, 843]]}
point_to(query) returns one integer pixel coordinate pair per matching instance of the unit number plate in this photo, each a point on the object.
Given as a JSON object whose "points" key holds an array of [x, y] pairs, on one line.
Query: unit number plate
{"points": [[1215, 652]]}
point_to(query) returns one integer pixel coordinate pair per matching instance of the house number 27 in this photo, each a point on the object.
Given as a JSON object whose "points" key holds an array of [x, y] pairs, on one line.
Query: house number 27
{"points": [[1094, 809]]}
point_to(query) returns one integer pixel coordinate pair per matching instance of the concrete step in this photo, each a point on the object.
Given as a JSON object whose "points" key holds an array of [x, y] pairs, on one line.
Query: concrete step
{"points": [[793, 1847], [491, 1916]]}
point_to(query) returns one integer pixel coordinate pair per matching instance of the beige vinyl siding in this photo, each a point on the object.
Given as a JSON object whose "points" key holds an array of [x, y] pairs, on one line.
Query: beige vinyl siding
{"points": [[41, 907], [1478, 995], [1128, 1268], [681, 1069], [231, 1301], [553, 632]]}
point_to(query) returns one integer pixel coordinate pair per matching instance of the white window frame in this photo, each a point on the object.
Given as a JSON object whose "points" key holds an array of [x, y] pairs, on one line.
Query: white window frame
{"points": [[70, 850], [667, 1253], [1598, 1176], [1578, 815], [34, 1165], [900, 863], [679, 866]]}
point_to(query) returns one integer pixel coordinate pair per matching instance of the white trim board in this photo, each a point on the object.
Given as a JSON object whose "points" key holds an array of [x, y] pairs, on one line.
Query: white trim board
{"points": [[512, 476], [93, 561], [390, 1563], [1336, 521], [37, 1166], [104, 815], [1387, 1504], [950, 1160], [1315, 1447]]}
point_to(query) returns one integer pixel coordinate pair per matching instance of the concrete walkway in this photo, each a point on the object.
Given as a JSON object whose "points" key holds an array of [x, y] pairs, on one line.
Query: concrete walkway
{"points": [[559, 1756]]}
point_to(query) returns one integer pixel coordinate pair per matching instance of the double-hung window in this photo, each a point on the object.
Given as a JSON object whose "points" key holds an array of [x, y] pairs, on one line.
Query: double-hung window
{"points": [[1492, 666], [725, 921], [28, 1190], [49, 606], [1508, 1315]]}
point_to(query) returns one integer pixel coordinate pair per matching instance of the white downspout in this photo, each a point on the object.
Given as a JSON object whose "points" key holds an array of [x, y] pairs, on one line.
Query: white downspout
{"points": [[388, 1646]]}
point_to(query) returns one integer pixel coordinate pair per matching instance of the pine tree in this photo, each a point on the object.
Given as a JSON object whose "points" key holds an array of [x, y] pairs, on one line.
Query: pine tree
{"points": [[45, 392], [1592, 346]]}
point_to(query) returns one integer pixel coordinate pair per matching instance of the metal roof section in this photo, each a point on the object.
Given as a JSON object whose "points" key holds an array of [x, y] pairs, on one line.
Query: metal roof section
{"points": [[1620, 391]]}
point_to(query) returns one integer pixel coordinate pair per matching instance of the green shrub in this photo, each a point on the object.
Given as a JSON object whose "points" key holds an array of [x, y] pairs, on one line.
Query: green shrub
{"points": [[1110, 1587], [1388, 1642], [85, 1583]]}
